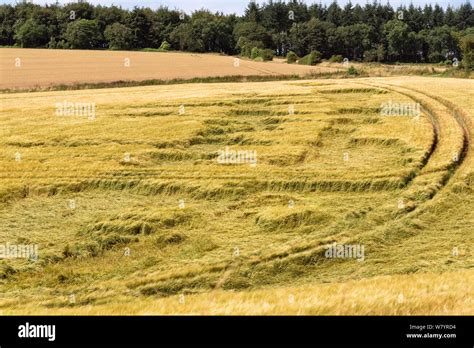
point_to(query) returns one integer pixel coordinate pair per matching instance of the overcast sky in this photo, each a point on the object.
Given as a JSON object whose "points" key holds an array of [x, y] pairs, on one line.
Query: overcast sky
{"points": [[234, 6]]}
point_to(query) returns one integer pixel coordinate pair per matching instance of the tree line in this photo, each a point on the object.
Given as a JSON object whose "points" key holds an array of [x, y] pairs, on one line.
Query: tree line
{"points": [[373, 32]]}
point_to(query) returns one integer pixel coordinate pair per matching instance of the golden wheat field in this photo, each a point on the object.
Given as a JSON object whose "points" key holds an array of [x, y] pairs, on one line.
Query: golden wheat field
{"points": [[225, 198]]}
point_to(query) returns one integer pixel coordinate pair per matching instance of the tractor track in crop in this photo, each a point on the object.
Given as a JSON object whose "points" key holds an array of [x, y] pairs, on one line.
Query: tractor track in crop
{"points": [[307, 252]]}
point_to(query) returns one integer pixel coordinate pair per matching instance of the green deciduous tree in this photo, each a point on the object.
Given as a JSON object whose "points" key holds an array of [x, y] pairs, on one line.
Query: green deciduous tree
{"points": [[317, 36], [82, 33], [467, 47], [442, 44], [251, 34], [7, 21], [31, 34], [118, 36], [402, 43]]}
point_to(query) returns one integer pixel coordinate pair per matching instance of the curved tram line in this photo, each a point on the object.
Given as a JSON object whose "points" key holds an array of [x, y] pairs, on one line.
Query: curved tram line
{"points": [[306, 252]]}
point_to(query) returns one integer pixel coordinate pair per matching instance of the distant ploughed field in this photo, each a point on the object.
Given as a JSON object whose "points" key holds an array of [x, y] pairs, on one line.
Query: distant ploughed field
{"points": [[28, 68]]}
